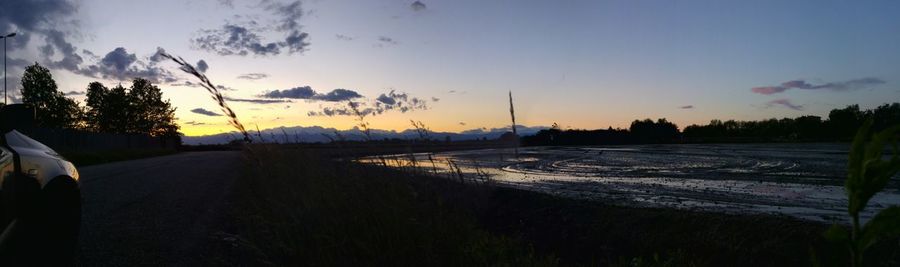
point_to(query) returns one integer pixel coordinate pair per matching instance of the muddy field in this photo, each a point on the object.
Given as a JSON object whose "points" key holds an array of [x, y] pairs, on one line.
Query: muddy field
{"points": [[800, 180]]}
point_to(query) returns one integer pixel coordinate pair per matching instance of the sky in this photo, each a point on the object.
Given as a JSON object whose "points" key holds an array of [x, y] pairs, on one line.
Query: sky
{"points": [[451, 64]]}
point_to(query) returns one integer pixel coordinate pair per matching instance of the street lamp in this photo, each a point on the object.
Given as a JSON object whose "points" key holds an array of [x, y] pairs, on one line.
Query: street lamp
{"points": [[4, 63]]}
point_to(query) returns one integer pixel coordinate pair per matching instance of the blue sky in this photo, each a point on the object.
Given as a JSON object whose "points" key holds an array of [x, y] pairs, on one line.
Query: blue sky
{"points": [[582, 64]]}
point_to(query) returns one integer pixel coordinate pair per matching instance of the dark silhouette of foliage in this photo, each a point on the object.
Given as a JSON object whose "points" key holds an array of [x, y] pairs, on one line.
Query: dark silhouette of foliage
{"points": [[136, 110], [839, 126], [867, 174], [647, 131], [52, 108]]}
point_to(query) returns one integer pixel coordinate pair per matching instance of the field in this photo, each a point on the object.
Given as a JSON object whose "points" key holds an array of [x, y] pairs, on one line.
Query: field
{"points": [[303, 207]]}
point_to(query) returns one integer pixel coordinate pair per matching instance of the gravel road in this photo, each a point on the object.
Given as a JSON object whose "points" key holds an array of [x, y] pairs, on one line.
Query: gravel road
{"points": [[155, 211]]}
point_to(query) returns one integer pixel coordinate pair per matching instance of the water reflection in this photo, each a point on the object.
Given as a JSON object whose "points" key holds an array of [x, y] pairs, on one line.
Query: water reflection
{"points": [[800, 180]]}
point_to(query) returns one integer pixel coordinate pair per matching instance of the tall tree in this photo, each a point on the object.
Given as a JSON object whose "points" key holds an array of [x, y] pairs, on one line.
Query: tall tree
{"points": [[138, 109], [52, 107]]}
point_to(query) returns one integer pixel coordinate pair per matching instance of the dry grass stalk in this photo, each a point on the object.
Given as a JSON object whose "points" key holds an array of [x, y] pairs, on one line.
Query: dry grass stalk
{"points": [[216, 94]]}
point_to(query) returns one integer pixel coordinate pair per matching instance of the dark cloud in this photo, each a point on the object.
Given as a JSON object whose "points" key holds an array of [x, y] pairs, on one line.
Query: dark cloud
{"points": [[302, 92], [338, 95], [418, 6], [257, 101], [227, 3], [245, 38], [73, 93], [387, 40], [202, 66], [391, 101], [784, 103], [253, 76], [121, 65], [225, 88], [195, 123], [435, 99], [202, 111], [307, 93], [462, 123], [343, 37], [687, 107], [834, 86]]}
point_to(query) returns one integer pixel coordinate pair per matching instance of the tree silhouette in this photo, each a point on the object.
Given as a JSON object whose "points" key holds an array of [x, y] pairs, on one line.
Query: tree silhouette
{"points": [[136, 110], [52, 108]]}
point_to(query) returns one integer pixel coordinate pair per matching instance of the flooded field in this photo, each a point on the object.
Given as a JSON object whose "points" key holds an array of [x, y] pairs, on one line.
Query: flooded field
{"points": [[800, 180]]}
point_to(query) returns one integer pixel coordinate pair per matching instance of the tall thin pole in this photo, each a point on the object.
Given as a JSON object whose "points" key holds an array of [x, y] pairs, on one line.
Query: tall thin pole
{"points": [[4, 70]]}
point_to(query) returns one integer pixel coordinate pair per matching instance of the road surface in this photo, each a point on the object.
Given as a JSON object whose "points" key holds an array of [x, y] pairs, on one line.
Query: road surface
{"points": [[155, 211]]}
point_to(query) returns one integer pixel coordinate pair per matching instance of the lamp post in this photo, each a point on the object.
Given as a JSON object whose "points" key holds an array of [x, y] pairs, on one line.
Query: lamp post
{"points": [[4, 64]]}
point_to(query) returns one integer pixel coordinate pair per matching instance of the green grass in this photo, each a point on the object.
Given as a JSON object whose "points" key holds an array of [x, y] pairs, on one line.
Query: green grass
{"points": [[298, 208], [81, 159]]}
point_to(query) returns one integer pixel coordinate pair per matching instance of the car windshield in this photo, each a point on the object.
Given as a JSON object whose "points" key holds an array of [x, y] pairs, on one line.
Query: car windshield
{"points": [[17, 139]]}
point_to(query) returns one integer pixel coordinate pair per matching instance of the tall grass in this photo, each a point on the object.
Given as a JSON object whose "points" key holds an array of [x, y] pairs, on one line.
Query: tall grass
{"points": [[313, 211], [213, 91]]}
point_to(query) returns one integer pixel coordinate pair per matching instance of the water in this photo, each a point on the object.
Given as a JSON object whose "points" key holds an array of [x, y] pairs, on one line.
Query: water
{"points": [[799, 180]]}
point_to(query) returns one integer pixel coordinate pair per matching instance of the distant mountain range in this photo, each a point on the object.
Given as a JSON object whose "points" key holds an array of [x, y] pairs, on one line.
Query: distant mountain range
{"points": [[315, 134]]}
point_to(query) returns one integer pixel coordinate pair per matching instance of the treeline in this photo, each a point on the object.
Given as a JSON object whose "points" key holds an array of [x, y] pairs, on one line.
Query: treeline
{"points": [[839, 126], [138, 109]]}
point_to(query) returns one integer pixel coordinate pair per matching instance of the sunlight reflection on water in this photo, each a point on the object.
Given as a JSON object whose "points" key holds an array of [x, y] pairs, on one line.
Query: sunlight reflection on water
{"points": [[800, 180]]}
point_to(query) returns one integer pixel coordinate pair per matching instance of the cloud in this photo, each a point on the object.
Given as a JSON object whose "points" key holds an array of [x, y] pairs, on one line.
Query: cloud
{"points": [[435, 99], [391, 101], [387, 40], [225, 88], [244, 38], [257, 101], [306, 92], [120, 65], [202, 66], [343, 37], [418, 6], [73, 93], [462, 123], [687, 107], [202, 111], [195, 123], [785, 103], [833, 86], [253, 76]]}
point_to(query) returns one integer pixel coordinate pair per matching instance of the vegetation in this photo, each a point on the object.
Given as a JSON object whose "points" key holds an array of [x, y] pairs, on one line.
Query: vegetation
{"points": [[868, 173], [139, 109], [838, 127], [53, 108], [296, 207]]}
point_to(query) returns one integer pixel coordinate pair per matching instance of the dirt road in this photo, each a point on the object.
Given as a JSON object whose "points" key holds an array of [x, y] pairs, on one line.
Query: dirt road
{"points": [[156, 211]]}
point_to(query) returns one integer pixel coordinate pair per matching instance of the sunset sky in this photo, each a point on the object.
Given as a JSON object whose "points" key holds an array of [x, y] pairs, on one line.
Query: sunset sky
{"points": [[581, 64]]}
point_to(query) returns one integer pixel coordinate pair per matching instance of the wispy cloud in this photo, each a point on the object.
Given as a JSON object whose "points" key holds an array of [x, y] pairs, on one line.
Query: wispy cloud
{"points": [[253, 76], [854, 84], [257, 101], [687, 107], [343, 37], [784, 103], [202, 111], [73, 93]]}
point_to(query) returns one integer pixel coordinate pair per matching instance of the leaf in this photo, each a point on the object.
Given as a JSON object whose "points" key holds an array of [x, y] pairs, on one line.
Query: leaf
{"points": [[855, 166], [885, 224], [837, 234]]}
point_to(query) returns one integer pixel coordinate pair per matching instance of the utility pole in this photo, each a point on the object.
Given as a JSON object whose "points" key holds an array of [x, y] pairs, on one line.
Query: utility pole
{"points": [[4, 64]]}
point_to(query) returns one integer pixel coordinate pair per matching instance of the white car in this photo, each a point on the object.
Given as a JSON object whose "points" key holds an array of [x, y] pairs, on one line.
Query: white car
{"points": [[41, 203]]}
